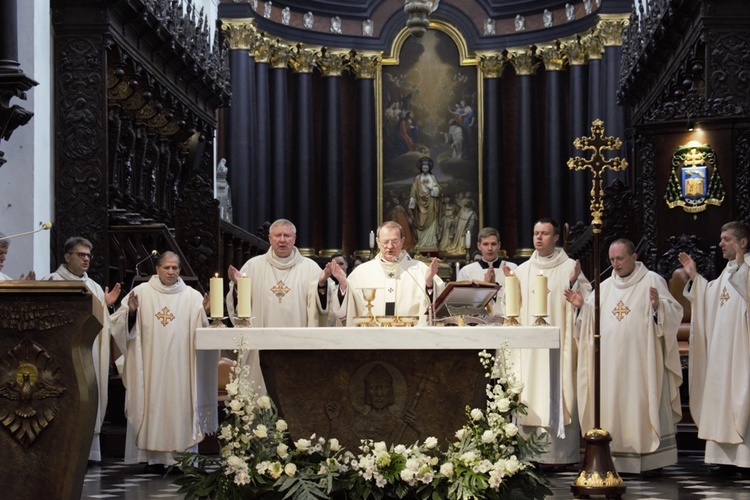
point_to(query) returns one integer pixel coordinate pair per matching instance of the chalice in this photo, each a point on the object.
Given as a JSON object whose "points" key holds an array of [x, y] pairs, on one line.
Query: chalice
{"points": [[369, 295]]}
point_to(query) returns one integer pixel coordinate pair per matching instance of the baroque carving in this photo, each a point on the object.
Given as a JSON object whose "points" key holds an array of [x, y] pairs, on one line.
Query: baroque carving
{"points": [[364, 65], [29, 389], [647, 163], [574, 51], [742, 175], [332, 63], [239, 34], [730, 68], [523, 62], [302, 60], [492, 65], [551, 57], [280, 54]]}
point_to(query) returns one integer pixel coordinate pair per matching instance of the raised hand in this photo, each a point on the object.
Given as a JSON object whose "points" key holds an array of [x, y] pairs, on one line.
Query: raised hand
{"points": [[206, 302], [653, 296], [489, 275], [506, 270], [575, 297], [110, 297], [688, 264], [575, 273], [233, 274], [431, 272], [132, 302], [339, 274]]}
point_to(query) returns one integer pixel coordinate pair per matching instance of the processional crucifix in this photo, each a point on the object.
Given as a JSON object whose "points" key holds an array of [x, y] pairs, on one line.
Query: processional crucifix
{"points": [[598, 475]]}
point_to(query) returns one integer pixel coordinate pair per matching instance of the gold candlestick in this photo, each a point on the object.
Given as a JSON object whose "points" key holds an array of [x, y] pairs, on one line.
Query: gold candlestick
{"points": [[217, 322], [540, 321], [243, 322]]}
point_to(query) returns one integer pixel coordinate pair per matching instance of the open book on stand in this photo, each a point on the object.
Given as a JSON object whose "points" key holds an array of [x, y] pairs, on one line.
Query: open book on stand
{"points": [[468, 298]]}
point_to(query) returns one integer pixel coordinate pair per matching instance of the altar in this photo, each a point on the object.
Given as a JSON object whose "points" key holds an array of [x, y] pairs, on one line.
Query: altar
{"points": [[398, 385]]}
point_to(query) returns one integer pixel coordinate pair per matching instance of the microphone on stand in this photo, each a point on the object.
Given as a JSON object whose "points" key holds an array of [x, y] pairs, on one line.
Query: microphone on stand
{"points": [[138, 271], [43, 226], [431, 307]]}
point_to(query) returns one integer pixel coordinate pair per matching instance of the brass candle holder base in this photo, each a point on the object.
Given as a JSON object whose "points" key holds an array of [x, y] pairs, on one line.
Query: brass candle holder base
{"points": [[243, 322], [215, 322], [511, 321], [540, 321], [598, 475]]}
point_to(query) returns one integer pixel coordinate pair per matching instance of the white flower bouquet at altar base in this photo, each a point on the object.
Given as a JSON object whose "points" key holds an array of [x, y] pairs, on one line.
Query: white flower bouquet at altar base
{"points": [[488, 459]]}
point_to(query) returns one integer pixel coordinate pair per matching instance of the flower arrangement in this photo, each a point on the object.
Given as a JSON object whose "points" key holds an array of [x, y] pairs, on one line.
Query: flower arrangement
{"points": [[489, 459]]}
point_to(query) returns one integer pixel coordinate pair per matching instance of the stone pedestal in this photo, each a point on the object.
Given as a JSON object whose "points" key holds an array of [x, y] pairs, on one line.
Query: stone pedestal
{"points": [[48, 393]]}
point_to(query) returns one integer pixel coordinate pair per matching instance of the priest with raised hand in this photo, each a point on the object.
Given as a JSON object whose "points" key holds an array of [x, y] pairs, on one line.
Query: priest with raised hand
{"points": [[534, 366], [639, 320], [402, 286], [287, 289], [77, 255], [720, 353], [170, 400]]}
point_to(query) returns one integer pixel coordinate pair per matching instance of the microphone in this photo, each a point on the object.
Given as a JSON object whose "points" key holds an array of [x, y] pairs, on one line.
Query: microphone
{"points": [[431, 307], [138, 271], [43, 226]]}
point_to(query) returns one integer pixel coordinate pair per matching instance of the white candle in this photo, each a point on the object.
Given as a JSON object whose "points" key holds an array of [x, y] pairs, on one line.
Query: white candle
{"points": [[512, 294], [372, 239], [468, 239], [243, 297], [540, 295], [216, 292]]}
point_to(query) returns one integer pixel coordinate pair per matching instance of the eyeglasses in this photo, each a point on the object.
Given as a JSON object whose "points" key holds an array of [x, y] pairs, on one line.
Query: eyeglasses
{"points": [[390, 243], [82, 255]]}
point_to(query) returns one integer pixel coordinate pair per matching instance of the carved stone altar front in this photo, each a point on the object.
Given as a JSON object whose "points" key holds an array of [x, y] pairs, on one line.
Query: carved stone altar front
{"points": [[48, 394], [391, 396]]}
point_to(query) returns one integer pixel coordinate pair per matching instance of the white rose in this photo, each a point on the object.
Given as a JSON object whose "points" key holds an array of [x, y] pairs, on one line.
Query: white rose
{"points": [[281, 450], [235, 405], [261, 431], [461, 433], [510, 429], [264, 402], [503, 405], [476, 414], [447, 469], [335, 446], [400, 449], [290, 469], [235, 461], [302, 444], [431, 442], [281, 425], [488, 437], [232, 388], [380, 446]]}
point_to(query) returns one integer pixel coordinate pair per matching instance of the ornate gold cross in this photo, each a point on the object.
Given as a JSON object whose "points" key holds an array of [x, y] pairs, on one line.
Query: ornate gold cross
{"points": [[620, 311], [597, 163], [165, 316], [280, 290], [724, 296]]}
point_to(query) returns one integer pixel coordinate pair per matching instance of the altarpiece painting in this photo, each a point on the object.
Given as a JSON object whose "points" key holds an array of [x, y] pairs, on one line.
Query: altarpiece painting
{"points": [[430, 167]]}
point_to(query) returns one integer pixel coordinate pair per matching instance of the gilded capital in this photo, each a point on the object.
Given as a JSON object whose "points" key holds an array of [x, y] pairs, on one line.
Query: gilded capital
{"points": [[574, 51], [364, 65], [523, 62], [262, 49], [551, 57], [593, 46], [302, 60], [611, 31], [331, 63], [492, 65], [280, 55], [239, 33]]}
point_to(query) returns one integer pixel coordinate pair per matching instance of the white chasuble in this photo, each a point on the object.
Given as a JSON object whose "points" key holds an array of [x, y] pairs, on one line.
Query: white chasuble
{"points": [[535, 367], [476, 272], [284, 293], [720, 364], [640, 370], [171, 400], [401, 283], [99, 351]]}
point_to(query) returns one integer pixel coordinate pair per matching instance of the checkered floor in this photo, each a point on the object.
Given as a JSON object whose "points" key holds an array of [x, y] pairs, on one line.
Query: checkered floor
{"points": [[684, 481]]}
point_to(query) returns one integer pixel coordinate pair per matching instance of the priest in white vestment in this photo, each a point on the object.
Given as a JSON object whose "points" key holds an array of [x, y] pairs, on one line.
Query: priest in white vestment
{"points": [[403, 286], [287, 290], [171, 398], [640, 363], [720, 351], [489, 268], [77, 255], [534, 367]]}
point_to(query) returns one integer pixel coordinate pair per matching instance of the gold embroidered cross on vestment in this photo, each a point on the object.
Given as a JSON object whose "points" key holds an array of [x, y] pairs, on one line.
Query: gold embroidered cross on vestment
{"points": [[280, 290], [165, 316], [620, 311], [724, 296]]}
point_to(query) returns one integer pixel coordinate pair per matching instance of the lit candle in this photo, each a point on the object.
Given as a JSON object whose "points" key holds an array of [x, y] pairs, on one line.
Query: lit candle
{"points": [[217, 296], [468, 239], [372, 239], [243, 297], [512, 295], [540, 295]]}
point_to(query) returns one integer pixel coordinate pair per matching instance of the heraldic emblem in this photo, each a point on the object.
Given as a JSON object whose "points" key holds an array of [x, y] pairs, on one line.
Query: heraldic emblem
{"points": [[694, 182]]}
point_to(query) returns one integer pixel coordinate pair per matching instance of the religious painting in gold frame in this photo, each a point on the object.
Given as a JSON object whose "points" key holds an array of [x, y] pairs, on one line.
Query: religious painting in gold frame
{"points": [[430, 126]]}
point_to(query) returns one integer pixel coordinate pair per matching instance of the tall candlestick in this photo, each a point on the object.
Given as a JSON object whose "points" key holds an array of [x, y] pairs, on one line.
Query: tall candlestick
{"points": [[468, 240], [512, 295], [243, 297], [216, 291], [540, 295], [372, 239]]}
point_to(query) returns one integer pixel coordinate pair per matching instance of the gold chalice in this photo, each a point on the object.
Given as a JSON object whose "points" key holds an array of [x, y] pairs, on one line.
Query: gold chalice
{"points": [[369, 295]]}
